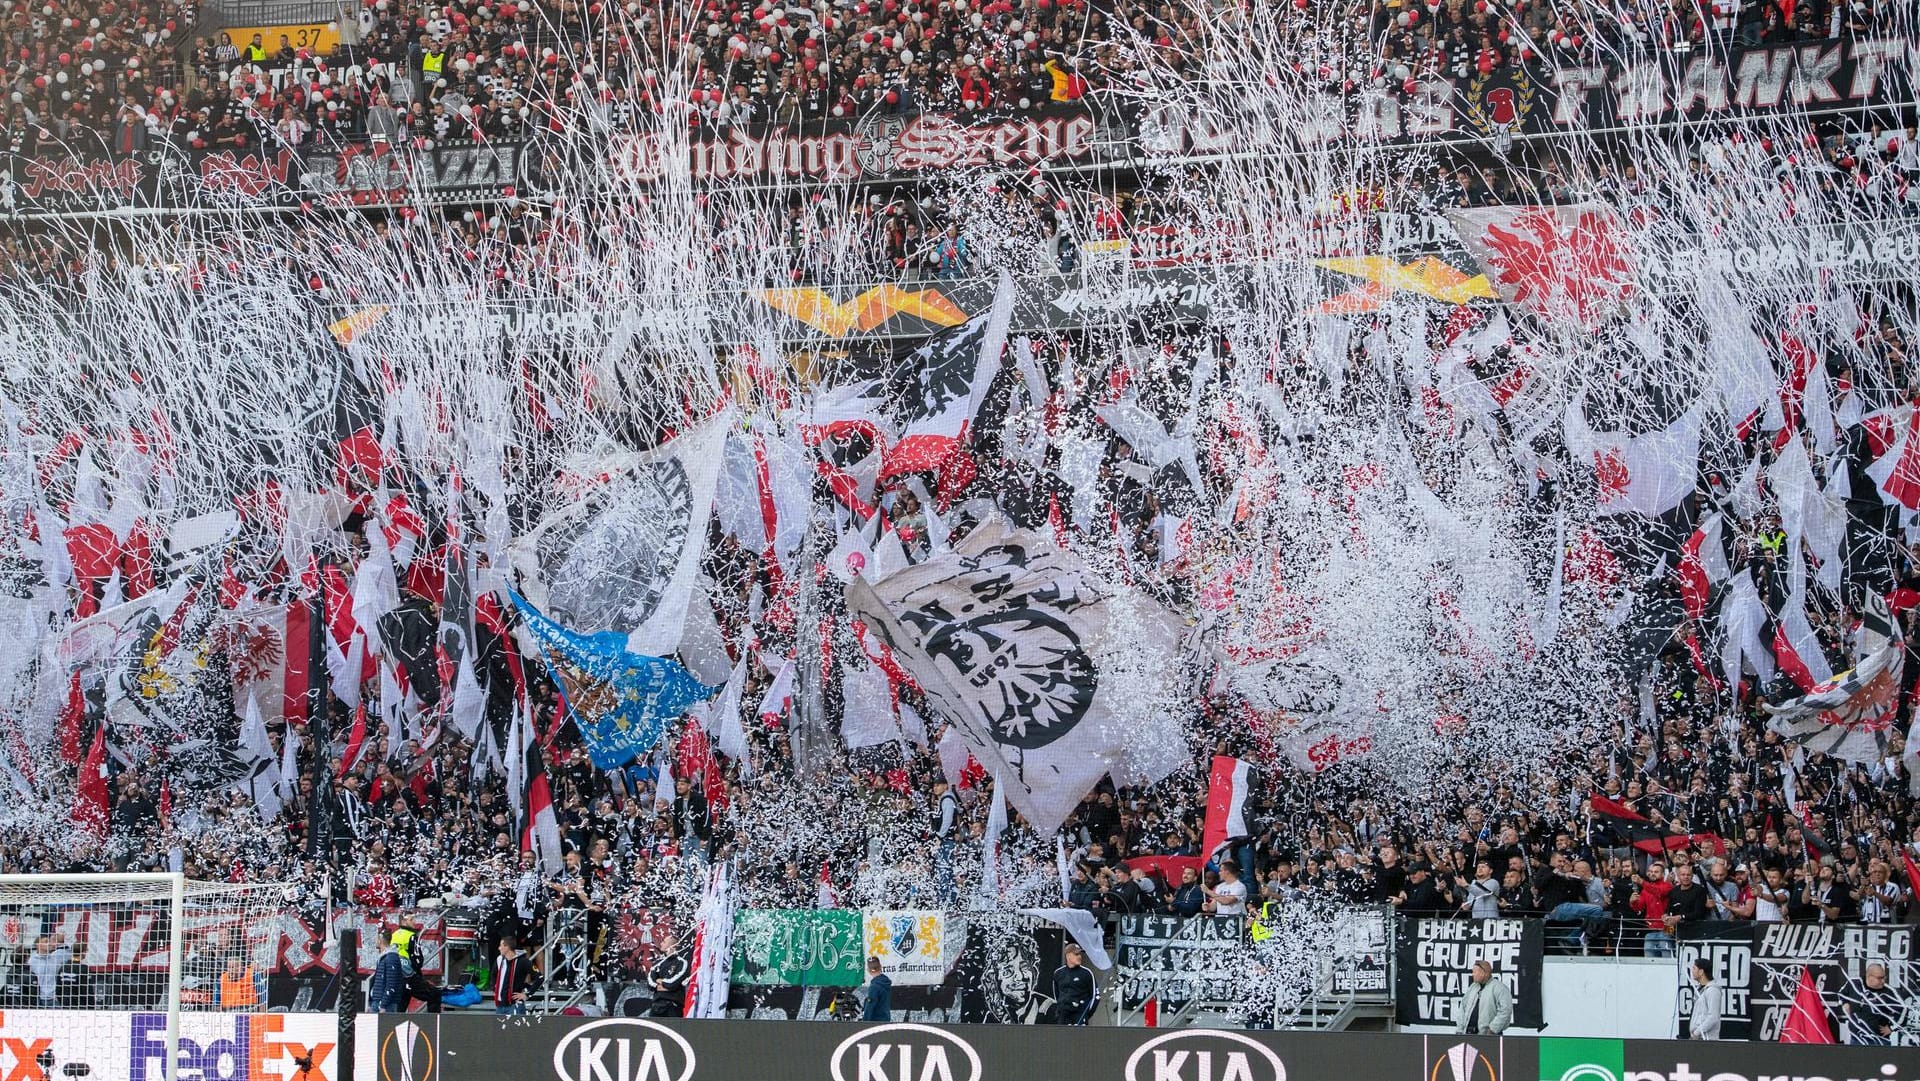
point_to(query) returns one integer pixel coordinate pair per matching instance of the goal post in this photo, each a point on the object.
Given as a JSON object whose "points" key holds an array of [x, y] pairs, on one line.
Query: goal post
{"points": [[78, 949]]}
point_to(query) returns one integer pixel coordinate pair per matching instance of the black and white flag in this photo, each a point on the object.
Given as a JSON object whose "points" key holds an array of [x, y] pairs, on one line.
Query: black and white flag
{"points": [[1016, 644], [624, 555]]}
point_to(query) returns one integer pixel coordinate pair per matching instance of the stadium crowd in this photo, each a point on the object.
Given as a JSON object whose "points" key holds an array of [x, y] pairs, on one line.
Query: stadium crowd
{"points": [[1794, 838], [1817, 841], [130, 76]]}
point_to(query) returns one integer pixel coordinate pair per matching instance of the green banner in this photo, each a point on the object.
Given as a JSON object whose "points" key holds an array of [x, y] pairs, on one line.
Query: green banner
{"points": [[798, 946]]}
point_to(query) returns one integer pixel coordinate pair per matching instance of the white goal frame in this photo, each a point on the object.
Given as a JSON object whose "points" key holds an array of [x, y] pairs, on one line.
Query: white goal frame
{"points": [[176, 889]]}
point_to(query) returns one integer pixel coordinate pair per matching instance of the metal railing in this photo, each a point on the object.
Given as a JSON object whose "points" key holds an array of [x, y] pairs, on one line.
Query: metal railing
{"points": [[223, 13]]}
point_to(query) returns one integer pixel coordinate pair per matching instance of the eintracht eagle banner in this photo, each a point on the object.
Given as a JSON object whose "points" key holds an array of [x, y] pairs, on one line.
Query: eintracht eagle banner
{"points": [[623, 556], [1850, 715], [1004, 633]]}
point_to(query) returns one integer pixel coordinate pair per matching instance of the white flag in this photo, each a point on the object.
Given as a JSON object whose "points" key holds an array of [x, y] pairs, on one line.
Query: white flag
{"points": [[625, 553], [262, 764], [1003, 633]]}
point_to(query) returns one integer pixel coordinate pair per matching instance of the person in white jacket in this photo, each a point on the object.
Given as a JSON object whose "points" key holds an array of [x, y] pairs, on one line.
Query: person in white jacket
{"points": [[1485, 1008], [1704, 1024]]}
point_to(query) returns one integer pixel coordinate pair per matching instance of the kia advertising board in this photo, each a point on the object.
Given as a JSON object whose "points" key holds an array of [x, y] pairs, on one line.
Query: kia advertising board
{"points": [[474, 1048], [480, 1048]]}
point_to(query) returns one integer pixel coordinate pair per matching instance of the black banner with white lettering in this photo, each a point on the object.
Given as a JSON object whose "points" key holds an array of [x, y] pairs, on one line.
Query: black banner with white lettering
{"points": [[360, 174], [1727, 947], [1648, 90], [1174, 959], [1757, 967], [1437, 956]]}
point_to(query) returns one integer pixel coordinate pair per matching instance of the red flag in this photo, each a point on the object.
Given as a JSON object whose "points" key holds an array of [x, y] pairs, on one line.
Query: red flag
{"points": [[540, 832], [90, 788], [299, 667], [356, 741], [1790, 663], [693, 760], [1913, 872], [72, 718], [1807, 1022], [136, 562], [1226, 804], [361, 460], [1695, 585], [95, 554]]}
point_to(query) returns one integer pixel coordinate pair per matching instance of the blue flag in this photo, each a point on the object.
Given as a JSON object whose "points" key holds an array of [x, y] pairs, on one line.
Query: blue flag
{"points": [[622, 702]]}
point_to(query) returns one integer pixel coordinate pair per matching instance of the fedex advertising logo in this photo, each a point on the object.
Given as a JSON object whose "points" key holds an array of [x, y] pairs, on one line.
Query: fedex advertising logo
{"points": [[235, 1047], [37, 1045]]}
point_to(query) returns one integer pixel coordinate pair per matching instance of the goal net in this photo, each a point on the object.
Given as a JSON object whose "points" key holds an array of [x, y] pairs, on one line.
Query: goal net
{"points": [[97, 972]]}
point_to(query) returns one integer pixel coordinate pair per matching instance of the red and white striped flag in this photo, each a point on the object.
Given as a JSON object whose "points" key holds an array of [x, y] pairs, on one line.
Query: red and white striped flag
{"points": [[712, 948], [1227, 785]]}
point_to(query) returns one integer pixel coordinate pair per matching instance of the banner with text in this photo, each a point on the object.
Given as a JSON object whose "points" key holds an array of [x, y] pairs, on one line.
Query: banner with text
{"points": [[798, 946], [1437, 956], [914, 946], [1757, 967], [1174, 959]]}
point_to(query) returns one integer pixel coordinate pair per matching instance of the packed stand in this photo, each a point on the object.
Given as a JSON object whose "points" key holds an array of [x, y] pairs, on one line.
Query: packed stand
{"points": [[125, 77]]}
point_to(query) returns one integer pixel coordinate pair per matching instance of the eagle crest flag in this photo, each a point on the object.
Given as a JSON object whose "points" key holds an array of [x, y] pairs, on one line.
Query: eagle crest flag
{"points": [[1004, 633]]}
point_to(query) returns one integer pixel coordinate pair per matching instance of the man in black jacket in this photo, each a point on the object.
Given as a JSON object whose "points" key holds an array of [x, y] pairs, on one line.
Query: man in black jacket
{"points": [[1073, 989], [1423, 895], [668, 978], [1874, 1009], [1689, 900]]}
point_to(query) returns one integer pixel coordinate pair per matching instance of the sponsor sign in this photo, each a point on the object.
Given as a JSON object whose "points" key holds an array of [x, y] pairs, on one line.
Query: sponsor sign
{"points": [[236, 1047], [1173, 959], [407, 1051], [110, 1045], [914, 946], [1201, 1054], [62, 1043], [1437, 956], [297, 958], [584, 1049], [1866, 252], [1465, 1058], [623, 1049], [1672, 1060], [905, 1052]]}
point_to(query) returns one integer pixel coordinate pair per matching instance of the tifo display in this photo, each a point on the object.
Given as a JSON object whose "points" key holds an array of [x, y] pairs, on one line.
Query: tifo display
{"points": [[540, 526]]}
